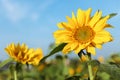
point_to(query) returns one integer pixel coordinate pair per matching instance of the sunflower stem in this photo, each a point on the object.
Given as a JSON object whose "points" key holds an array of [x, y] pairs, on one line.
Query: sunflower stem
{"points": [[90, 67], [15, 75], [19, 71], [88, 63], [90, 71]]}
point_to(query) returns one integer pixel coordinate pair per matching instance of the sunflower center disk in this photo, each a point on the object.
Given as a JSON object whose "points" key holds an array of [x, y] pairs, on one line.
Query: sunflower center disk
{"points": [[84, 34]]}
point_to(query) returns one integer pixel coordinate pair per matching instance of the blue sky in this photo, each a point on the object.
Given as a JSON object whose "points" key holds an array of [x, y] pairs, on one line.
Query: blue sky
{"points": [[34, 21]]}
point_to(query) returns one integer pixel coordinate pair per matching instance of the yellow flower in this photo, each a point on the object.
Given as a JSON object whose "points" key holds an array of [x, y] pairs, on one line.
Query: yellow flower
{"points": [[83, 32], [101, 59], [71, 71], [21, 53], [41, 67], [85, 76], [79, 69], [84, 58]]}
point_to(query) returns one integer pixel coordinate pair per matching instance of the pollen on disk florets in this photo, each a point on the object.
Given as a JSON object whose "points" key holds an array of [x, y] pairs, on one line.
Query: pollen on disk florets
{"points": [[84, 34]]}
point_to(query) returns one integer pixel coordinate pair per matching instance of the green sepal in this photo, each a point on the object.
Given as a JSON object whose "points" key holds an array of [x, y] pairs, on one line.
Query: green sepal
{"points": [[2, 64], [112, 15], [80, 53], [55, 50], [109, 26]]}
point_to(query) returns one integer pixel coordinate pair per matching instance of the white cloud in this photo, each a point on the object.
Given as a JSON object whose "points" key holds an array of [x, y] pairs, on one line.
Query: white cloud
{"points": [[14, 11], [41, 8]]}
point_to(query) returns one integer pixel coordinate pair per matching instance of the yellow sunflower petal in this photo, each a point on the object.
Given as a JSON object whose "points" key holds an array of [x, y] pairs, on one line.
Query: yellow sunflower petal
{"points": [[30, 52], [102, 39], [95, 18], [80, 17], [60, 25], [64, 25], [74, 45], [66, 49], [74, 19], [91, 49], [79, 48], [65, 36], [61, 32], [97, 45], [87, 15], [102, 33], [12, 46], [19, 55], [100, 25], [70, 21]]}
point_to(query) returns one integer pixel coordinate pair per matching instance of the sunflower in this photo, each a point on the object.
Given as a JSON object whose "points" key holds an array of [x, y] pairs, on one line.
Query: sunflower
{"points": [[24, 55], [83, 32]]}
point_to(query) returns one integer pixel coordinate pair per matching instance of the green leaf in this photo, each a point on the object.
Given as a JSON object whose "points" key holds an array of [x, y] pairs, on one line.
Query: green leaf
{"points": [[5, 62], [55, 50], [108, 72], [103, 76]]}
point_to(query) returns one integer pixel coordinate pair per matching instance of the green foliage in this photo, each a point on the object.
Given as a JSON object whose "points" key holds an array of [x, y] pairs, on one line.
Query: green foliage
{"points": [[108, 72], [2, 64], [103, 76], [59, 69]]}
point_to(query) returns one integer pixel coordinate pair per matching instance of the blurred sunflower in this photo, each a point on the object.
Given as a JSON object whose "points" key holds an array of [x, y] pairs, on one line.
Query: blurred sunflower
{"points": [[21, 53], [71, 71], [83, 32]]}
